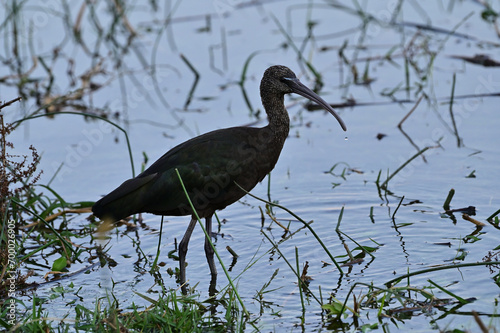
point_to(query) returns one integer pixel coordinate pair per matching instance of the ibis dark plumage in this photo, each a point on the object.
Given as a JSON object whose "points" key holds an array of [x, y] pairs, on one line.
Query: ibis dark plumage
{"points": [[212, 166]]}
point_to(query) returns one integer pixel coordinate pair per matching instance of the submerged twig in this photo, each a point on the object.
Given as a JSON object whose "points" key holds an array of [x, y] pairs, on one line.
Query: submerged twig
{"points": [[410, 112], [474, 221], [384, 184], [446, 204], [242, 80], [493, 215], [275, 246], [452, 32], [452, 116], [301, 220], [439, 268], [195, 82], [397, 208], [233, 253], [353, 103]]}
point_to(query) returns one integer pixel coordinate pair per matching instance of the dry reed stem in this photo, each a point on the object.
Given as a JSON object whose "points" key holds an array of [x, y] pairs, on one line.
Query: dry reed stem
{"points": [[470, 219]]}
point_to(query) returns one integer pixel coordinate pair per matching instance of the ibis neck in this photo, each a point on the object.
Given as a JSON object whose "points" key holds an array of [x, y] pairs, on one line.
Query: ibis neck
{"points": [[279, 121]]}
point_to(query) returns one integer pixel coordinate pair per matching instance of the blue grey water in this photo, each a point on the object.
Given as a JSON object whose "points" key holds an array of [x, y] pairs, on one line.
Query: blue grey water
{"points": [[96, 160]]}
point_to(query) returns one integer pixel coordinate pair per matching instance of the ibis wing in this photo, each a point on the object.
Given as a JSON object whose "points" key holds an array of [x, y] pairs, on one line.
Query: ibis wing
{"points": [[209, 166], [216, 149]]}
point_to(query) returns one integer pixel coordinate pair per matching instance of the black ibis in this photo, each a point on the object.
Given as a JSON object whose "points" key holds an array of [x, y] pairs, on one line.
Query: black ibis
{"points": [[212, 166]]}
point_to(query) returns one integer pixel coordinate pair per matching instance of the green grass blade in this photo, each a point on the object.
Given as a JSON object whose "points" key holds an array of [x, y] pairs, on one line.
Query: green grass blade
{"points": [[458, 298]]}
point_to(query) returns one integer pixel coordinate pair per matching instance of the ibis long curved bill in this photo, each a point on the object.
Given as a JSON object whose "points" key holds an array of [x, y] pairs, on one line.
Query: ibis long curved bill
{"points": [[300, 89]]}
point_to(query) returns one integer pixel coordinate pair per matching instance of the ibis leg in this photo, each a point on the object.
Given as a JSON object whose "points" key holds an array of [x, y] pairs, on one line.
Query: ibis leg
{"points": [[183, 247], [209, 251]]}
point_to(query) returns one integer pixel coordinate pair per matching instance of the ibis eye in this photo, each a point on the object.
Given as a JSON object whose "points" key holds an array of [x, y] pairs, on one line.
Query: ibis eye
{"points": [[287, 80]]}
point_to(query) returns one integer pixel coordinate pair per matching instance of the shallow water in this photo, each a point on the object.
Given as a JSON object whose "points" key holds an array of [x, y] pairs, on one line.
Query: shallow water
{"points": [[94, 163]]}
